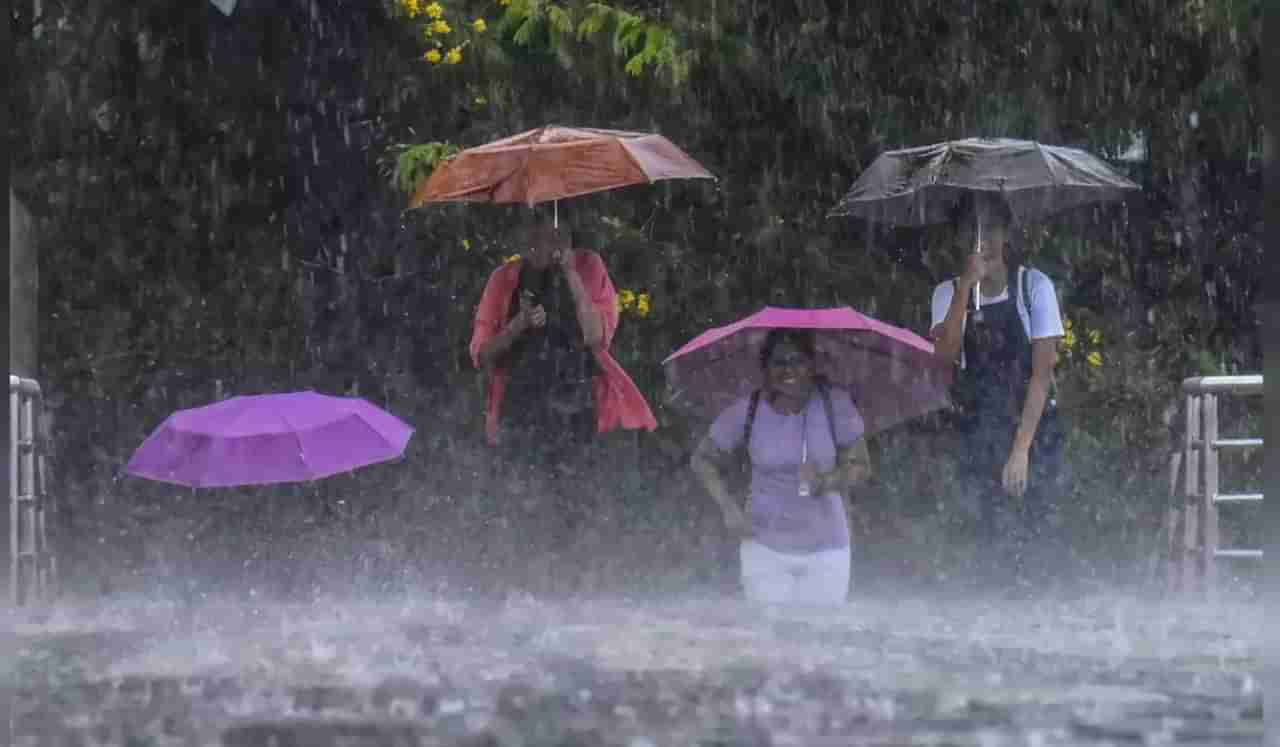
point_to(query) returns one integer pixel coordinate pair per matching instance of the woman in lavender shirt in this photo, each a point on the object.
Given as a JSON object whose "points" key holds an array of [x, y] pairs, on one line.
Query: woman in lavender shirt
{"points": [[804, 440]]}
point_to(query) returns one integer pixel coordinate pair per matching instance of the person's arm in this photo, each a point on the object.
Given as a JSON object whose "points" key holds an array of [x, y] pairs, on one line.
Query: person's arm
{"points": [[492, 333], [948, 336], [706, 461], [1044, 356], [853, 467], [497, 345], [584, 304], [1046, 331]]}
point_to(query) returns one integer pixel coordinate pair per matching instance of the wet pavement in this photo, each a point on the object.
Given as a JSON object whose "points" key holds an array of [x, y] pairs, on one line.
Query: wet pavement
{"points": [[1101, 670]]}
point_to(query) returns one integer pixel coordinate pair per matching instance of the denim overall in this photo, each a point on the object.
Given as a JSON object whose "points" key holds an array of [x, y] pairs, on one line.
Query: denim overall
{"points": [[1017, 532]]}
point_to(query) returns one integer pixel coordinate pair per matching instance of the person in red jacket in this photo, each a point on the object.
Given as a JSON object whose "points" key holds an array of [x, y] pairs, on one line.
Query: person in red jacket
{"points": [[541, 334]]}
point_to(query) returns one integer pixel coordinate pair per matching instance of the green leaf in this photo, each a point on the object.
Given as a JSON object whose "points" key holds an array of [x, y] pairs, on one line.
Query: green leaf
{"points": [[413, 163], [628, 29], [654, 39], [524, 35], [559, 20], [596, 19]]}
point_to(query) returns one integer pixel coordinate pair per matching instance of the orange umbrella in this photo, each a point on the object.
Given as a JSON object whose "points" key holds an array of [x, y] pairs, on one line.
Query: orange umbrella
{"points": [[551, 163]]}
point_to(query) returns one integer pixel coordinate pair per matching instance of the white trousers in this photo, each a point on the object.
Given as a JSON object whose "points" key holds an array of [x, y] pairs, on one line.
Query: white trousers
{"points": [[781, 578]]}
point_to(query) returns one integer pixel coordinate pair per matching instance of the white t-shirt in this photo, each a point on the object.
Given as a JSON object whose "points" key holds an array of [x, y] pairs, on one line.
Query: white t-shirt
{"points": [[1042, 320]]}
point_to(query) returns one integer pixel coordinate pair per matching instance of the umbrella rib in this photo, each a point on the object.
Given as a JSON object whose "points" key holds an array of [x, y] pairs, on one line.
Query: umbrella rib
{"points": [[524, 172], [634, 161], [200, 478], [946, 159], [293, 431], [369, 427], [1050, 164]]}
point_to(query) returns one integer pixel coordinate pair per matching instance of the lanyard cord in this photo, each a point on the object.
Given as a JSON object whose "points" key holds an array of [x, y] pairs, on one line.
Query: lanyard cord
{"points": [[804, 432]]}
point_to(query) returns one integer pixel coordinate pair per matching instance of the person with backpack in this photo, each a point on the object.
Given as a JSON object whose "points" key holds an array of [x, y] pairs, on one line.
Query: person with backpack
{"points": [[803, 439], [1005, 348]]}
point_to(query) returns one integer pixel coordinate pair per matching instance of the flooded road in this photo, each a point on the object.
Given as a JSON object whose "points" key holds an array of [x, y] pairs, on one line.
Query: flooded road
{"points": [[1101, 670]]}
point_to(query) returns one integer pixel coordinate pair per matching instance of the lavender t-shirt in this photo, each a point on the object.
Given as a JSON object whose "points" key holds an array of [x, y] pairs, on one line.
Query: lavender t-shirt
{"points": [[780, 518]]}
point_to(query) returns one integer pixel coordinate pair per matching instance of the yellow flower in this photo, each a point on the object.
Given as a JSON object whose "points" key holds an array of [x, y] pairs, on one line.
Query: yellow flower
{"points": [[642, 305], [454, 56], [440, 26], [626, 299], [434, 10], [479, 25], [433, 56], [466, 244], [1095, 336], [1069, 339], [411, 7], [1067, 323], [512, 258], [1095, 359]]}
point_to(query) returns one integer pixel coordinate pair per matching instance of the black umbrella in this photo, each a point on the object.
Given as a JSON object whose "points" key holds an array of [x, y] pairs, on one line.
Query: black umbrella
{"points": [[924, 185]]}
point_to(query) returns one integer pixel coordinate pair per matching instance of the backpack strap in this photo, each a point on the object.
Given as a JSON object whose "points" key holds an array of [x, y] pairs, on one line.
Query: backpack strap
{"points": [[831, 418], [1024, 289], [744, 450]]}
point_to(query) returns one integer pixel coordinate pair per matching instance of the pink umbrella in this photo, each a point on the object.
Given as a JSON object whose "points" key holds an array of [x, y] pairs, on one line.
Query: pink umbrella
{"points": [[267, 439], [890, 372]]}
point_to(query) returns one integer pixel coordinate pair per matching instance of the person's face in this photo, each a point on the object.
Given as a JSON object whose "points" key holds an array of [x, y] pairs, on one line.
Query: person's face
{"points": [[789, 370], [544, 243], [990, 243]]}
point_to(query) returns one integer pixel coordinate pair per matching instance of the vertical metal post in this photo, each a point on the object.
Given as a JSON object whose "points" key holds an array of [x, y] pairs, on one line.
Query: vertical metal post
{"points": [[1172, 525], [31, 501], [14, 491], [1191, 508], [1210, 497], [32, 568], [29, 552], [49, 560]]}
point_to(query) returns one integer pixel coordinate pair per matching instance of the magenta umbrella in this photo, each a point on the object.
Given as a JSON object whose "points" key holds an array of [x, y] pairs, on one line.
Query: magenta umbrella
{"points": [[890, 372], [267, 439]]}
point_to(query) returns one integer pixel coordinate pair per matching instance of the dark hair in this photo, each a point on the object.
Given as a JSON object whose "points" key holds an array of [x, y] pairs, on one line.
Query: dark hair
{"points": [[803, 339]]}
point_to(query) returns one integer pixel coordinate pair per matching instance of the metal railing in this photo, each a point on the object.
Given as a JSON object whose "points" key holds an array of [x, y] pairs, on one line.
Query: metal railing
{"points": [[1192, 524], [33, 567]]}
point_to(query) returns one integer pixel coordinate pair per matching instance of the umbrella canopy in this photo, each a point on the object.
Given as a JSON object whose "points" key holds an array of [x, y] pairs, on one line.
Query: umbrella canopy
{"points": [[266, 439], [553, 163], [922, 186], [890, 372]]}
